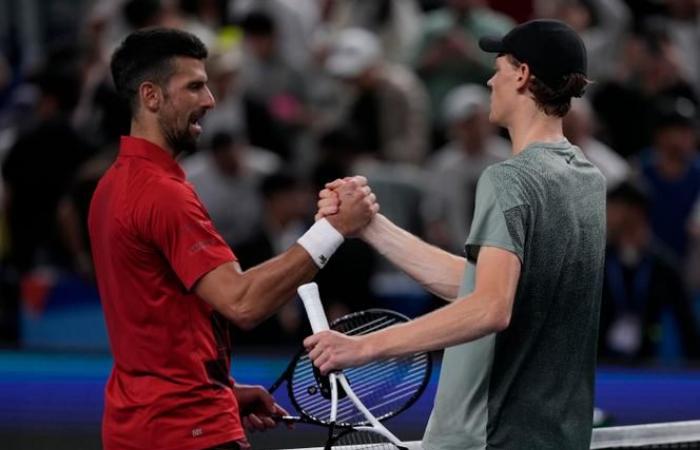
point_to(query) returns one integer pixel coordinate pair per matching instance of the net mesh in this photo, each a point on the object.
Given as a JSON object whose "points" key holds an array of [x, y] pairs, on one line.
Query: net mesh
{"points": [[672, 435], [363, 440]]}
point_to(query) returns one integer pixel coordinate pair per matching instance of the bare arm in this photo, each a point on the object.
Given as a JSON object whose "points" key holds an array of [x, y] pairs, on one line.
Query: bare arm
{"points": [[247, 298], [435, 269], [487, 310]]}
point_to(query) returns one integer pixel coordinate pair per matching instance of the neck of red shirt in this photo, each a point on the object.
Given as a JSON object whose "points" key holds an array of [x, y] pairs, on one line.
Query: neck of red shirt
{"points": [[153, 136]]}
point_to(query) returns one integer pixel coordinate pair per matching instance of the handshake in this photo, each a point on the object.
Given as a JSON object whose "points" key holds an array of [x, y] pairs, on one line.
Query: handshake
{"points": [[348, 204]]}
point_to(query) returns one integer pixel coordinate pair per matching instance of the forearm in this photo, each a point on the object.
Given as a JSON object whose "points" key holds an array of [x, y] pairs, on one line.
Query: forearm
{"points": [[436, 270], [464, 320], [247, 298], [266, 287]]}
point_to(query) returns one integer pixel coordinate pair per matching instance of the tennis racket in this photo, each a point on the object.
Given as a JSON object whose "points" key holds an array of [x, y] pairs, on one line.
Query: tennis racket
{"points": [[353, 403]]}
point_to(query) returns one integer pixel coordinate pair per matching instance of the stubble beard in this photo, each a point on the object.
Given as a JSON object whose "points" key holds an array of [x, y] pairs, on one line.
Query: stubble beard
{"points": [[179, 140]]}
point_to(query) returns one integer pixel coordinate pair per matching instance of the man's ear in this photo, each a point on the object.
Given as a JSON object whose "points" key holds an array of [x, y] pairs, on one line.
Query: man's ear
{"points": [[523, 76], [150, 95]]}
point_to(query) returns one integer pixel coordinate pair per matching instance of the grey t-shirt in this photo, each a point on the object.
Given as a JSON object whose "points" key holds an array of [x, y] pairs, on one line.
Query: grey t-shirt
{"points": [[531, 385]]}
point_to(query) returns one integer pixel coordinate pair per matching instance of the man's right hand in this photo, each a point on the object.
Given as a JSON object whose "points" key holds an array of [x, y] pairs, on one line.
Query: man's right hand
{"points": [[348, 205], [328, 204]]}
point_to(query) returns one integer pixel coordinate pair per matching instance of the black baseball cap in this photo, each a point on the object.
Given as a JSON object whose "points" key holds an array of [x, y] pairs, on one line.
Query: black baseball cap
{"points": [[551, 48]]}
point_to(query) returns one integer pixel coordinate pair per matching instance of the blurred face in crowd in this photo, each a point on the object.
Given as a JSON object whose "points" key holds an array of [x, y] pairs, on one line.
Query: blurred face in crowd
{"points": [[288, 206], [186, 99], [628, 227], [224, 72], [574, 14], [677, 142], [472, 131], [261, 45], [229, 158], [504, 85]]}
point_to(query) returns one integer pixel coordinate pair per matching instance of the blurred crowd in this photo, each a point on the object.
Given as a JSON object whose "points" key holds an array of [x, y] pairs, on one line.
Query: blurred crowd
{"points": [[311, 90]]}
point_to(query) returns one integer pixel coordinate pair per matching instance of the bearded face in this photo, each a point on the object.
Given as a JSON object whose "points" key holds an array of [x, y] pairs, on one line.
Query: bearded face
{"points": [[186, 99], [180, 128]]}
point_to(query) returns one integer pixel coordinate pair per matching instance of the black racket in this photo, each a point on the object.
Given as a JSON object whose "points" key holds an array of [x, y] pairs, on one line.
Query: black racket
{"points": [[383, 388]]}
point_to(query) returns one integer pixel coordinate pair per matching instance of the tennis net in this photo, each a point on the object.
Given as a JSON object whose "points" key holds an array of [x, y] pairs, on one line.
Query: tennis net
{"points": [[672, 435]]}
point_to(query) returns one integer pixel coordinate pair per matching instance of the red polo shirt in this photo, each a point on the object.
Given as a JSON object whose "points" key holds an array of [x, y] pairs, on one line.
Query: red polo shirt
{"points": [[151, 241]]}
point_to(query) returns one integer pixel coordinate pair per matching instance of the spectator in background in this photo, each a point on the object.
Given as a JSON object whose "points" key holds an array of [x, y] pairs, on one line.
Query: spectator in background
{"points": [[303, 22], [73, 212], [286, 209], [201, 18], [683, 23], [396, 23], [40, 167], [446, 54], [389, 109], [295, 21], [671, 170], [578, 129], [231, 169], [144, 13], [643, 282], [455, 169], [602, 24], [307, 29], [101, 115], [649, 70], [231, 113], [275, 84], [238, 111]]}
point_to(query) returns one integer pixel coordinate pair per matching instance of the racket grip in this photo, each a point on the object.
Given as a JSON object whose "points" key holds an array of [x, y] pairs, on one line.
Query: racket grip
{"points": [[314, 309]]}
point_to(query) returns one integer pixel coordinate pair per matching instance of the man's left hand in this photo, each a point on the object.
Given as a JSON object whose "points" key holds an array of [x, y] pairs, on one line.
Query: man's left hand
{"points": [[330, 350], [257, 407]]}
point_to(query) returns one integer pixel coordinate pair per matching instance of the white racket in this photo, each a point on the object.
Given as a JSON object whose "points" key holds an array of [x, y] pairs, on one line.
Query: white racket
{"points": [[317, 317]]}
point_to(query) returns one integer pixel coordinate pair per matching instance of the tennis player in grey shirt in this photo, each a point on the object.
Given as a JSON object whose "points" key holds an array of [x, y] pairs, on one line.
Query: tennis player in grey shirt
{"points": [[521, 327]]}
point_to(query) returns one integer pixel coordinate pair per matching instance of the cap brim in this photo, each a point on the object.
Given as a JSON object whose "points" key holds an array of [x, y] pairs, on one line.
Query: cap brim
{"points": [[491, 44]]}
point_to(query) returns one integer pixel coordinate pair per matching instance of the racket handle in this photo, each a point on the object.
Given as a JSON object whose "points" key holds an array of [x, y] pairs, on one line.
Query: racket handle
{"points": [[314, 309]]}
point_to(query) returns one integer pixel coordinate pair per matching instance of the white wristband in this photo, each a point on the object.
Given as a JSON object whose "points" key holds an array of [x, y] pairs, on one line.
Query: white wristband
{"points": [[321, 241]]}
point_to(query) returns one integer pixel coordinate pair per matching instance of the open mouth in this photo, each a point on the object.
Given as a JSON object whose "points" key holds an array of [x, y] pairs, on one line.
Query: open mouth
{"points": [[195, 126]]}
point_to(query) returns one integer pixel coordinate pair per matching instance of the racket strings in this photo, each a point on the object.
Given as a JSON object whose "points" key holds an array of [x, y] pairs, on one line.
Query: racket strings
{"points": [[384, 387]]}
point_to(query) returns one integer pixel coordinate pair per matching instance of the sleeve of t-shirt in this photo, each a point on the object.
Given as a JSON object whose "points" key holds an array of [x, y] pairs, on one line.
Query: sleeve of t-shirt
{"points": [[180, 227], [492, 225]]}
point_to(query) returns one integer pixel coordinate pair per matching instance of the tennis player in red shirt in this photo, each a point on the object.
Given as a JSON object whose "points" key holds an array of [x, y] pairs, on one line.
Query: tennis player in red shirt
{"points": [[169, 284]]}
